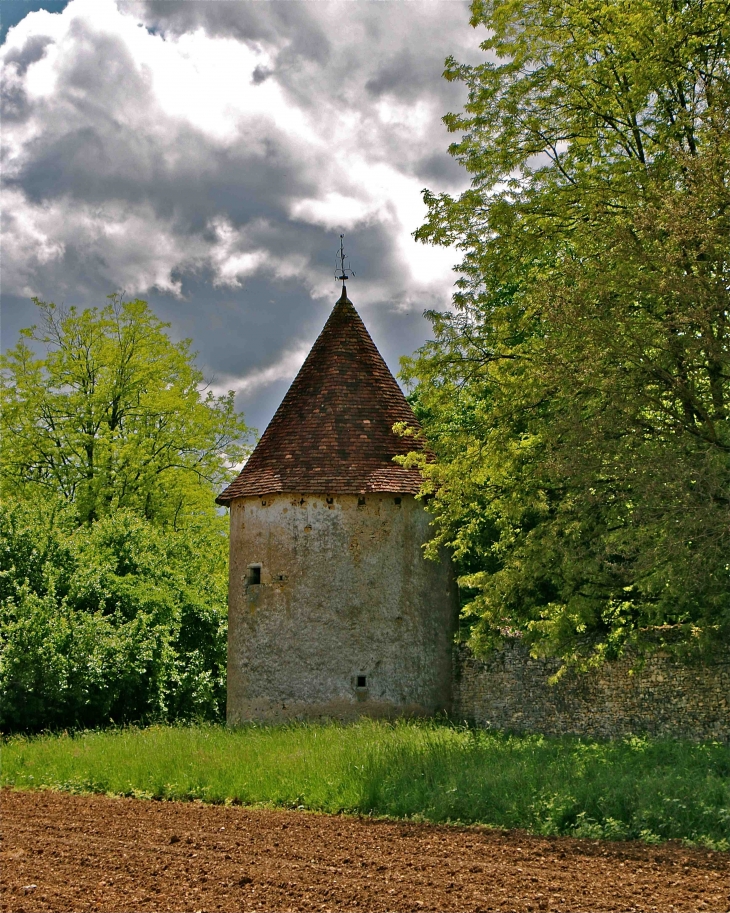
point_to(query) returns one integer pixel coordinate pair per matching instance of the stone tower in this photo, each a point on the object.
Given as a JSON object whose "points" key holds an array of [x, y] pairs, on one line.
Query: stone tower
{"points": [[333, 610]]}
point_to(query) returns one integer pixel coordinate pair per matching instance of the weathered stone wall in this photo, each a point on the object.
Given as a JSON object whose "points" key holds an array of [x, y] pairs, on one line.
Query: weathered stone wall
{"points": [[510, 690], [344, 592]]}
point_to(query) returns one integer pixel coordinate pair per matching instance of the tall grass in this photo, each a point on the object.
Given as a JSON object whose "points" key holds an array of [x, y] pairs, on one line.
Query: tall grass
{"points": [[635, 788]]}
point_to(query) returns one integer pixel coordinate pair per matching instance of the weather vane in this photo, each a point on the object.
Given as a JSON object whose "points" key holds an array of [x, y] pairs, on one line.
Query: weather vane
{"points": [[341, 268]]}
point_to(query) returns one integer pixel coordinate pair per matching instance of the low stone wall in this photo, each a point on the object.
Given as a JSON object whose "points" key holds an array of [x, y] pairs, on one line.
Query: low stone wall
{"points": [[510, 690]]}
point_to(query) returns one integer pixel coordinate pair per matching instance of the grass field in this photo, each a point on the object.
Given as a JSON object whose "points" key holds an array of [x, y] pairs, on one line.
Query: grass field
{"points": [[637, 788]]}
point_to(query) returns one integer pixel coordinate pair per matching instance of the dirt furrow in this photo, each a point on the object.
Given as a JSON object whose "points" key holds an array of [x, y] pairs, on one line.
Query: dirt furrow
{"points": [[62, 852]]}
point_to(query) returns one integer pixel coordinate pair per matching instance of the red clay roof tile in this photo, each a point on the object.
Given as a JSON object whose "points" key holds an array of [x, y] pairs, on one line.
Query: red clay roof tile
{"points": [[333, 432]]}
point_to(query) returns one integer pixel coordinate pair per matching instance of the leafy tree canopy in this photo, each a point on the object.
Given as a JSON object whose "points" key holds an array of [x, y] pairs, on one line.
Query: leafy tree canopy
{"points": [[577, 391], [113, 414]]}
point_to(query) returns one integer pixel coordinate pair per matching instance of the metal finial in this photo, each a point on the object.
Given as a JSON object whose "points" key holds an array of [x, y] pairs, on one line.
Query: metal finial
{"points": [[341, 268]]}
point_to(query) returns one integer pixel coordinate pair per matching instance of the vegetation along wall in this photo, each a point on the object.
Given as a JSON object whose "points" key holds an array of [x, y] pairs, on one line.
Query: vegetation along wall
{"points": [[510, 690]]}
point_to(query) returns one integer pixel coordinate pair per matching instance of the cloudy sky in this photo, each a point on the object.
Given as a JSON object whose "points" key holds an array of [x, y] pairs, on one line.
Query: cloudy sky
{"points": [[206, 156]]}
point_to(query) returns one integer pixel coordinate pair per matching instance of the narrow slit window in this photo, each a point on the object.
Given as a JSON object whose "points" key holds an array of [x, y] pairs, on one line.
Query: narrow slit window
{"points": [[362, 681], [254, 576]]}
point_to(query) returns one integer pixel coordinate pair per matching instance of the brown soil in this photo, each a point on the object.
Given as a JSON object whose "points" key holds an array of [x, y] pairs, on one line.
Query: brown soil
{"points": [[65, 853]]}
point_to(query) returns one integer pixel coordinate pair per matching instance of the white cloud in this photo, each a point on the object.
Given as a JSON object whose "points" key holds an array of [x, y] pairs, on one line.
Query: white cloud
{"points": [[335, 210], [284, 368], [229, 256], [136, 250]]}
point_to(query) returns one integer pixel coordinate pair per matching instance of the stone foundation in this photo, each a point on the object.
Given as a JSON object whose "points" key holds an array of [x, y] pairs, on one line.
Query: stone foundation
{"points": [[509, 690]]}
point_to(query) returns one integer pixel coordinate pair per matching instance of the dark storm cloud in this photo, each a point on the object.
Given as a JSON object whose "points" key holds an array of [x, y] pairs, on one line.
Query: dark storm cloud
{"points": [[95, 145], [288, 26], [21, 58], [13, 97], [229, 227]]}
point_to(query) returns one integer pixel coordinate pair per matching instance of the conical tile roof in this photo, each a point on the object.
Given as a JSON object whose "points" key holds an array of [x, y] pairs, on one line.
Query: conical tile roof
{"points": [[333, 432]]}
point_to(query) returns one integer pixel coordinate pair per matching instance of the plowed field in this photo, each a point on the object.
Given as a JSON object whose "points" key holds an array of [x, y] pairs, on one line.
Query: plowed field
{"points": [[63, 852]]}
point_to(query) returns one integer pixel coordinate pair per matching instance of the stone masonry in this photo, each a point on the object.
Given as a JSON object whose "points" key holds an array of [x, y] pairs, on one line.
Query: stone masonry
{"points": [[509, 690], [346, 616]]}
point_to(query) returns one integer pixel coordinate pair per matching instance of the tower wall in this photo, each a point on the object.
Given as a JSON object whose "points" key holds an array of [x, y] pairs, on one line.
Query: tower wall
{"points": [[348, 618]]}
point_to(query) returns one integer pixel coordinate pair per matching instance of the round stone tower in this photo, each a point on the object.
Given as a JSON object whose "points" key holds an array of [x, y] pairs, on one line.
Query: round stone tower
{"points": [[333, 610]]}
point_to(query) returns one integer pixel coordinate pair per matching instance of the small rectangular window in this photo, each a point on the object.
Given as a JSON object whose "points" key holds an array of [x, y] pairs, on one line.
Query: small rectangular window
{"points": [[253, 578], [362, 681]]}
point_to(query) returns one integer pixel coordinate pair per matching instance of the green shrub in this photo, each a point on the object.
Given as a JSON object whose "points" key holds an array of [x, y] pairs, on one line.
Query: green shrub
{"points": [[116, 621]]}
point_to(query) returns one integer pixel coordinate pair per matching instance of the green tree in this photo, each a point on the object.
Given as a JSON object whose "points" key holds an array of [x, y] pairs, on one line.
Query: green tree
{"points": [[577, 393], [112, 415], [113, 558]]}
